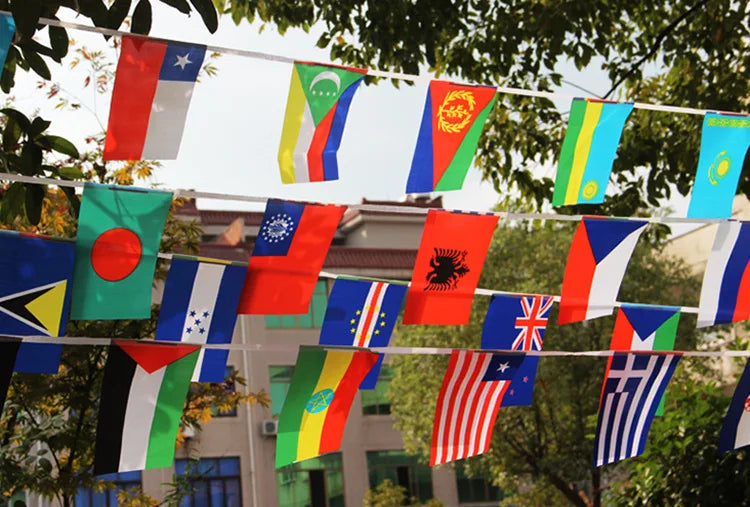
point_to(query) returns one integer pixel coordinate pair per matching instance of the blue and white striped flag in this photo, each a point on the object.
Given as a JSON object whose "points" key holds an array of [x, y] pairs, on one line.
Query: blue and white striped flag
{"points": [[735, 432], [200, 306], [631, 393]]}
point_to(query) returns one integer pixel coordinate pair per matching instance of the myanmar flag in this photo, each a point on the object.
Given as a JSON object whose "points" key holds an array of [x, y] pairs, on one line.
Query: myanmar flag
{"points": [[143, 394], [452, 123], [119, 231], [316, 111], [318, 402]]}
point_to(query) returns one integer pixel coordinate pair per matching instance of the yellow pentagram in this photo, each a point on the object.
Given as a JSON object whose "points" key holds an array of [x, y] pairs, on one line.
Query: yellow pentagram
{"points": [[319, 401], [719, 168], [590, 189]]}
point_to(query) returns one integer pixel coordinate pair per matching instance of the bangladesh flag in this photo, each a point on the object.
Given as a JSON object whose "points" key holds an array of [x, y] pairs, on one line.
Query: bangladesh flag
{"points": [[119, 231]]}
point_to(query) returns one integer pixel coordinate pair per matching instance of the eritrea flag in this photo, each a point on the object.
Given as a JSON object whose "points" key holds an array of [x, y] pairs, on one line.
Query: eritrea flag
{"points": [[119, 231]]}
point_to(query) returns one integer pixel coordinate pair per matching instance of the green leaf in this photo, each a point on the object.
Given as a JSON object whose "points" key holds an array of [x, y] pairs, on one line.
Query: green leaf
{"points": [[180, 5], [33, 202], [12, 203], [19, 118], [73, 200], [26, 14], [9, 70], [117, 13], [36, 63], [59, 144], [141, 18], [208, 12], [11, 134], [58, 39], [69, 172], [38, 125], [31, 159]]}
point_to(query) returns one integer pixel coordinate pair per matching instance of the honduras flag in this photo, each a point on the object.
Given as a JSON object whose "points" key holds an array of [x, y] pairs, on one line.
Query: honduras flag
{"points": [[517, 323], [362, 314], [736, 430], [199, 306]]}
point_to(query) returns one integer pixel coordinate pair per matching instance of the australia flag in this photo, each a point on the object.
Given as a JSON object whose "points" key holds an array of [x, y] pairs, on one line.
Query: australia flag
{"points": [[517, 323]]}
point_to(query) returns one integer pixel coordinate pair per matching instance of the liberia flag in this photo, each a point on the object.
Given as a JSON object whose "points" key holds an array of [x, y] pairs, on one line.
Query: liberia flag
{"points": [[472, 390], [153, 87]]}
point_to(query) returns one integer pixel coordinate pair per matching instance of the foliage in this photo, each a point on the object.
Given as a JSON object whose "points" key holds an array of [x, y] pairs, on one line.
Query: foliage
{"points": [[388, 494], [690, 54], [548, 444]]}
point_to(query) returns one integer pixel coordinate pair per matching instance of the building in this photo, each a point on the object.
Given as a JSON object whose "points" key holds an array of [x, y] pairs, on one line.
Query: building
{"points": [[238, 450]]}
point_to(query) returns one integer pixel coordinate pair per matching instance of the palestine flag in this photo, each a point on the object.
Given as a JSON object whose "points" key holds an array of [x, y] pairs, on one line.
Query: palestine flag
{"points": [[143, 394]]}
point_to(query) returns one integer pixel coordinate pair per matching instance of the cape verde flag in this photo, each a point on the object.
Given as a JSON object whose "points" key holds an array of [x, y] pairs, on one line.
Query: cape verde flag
{"points": [[633, 387], [198, 306], [517, 323], [153, 87], [725, 295], [597, 260], [735, 432], [362, 314]]}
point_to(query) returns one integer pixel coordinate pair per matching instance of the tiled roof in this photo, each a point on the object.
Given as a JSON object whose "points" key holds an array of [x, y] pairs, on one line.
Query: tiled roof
{"points": [[221, 217], [338, 256]]}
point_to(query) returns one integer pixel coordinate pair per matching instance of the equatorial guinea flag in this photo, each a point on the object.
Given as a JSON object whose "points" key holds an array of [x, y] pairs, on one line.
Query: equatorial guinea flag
{"points": [[316, 111], [119, 232], [143, 394], [449, 261], [287, 257], [153, 87], [735, 432], [597, 260]]}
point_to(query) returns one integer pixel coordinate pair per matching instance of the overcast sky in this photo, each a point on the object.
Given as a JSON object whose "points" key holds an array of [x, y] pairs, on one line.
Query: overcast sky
{"points": [[235, 120]]}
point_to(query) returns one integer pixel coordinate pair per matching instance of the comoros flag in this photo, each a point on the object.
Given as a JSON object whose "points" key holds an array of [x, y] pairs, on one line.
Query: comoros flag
{"points": [[199, 306], [597, 260], [153, 87], [362, 314], [316, 111], [725, 294], [452, 122]]}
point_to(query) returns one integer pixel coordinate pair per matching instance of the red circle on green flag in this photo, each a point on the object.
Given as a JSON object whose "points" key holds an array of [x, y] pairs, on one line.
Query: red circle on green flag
{"points": [[116, 253]]}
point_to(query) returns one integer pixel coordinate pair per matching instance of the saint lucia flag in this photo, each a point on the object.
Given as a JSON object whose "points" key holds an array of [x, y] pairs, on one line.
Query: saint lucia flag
{"points": [[736, 430], [198, 306], [35, 296], [153, 87], [597, 260]]}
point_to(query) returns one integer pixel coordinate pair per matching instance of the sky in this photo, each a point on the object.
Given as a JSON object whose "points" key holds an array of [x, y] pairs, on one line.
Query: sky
{"points": [[234, 124]]}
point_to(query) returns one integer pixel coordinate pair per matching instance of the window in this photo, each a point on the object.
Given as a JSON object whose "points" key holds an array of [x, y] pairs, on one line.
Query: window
{"points": [[377, 401], [317, 482], [229, 387], [280, 378], [108, 498], [312, 319], [217, 483], [401, 469], [476, 489]]}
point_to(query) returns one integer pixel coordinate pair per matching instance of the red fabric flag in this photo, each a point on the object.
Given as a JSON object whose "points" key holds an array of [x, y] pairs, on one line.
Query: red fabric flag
{"points": [[449, 262], [287, 257]]}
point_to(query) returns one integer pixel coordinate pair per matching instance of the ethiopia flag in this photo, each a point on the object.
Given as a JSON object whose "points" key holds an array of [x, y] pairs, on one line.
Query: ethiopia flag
{"points": [[318, 402], [316, 111], [119, 231], [588, 151], [452, 122], [143, 394]]}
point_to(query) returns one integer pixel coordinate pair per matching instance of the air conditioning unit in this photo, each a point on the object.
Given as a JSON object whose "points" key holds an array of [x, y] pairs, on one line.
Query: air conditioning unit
{"points": [[269, 427]]}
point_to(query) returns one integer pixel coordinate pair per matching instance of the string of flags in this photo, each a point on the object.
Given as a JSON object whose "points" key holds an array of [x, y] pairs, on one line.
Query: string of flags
{"points": [[155, 80]]}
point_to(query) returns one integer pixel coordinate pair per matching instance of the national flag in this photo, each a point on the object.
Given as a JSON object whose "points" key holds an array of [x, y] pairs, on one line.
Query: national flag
{"points": [[35, 286], [287, 257], [198, 306], [725, 294], [317, 405], [316, 111], [119, 232], [517, 323], [452, 123], [724, 143], [362, 314], [7, 32], [735, 432], [472, 390], [588, 150], [597, 261], [632, 389], [153, 86], [143, 394], [8, 353], [449, 261]]}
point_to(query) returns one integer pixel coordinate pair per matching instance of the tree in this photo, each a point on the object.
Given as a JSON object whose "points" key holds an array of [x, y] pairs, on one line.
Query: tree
{"points": [[687, 54], [545, 450]]}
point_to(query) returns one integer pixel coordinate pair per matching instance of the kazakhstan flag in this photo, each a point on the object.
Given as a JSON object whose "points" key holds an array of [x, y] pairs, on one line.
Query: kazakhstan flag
{"points": [[724, 143]]}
